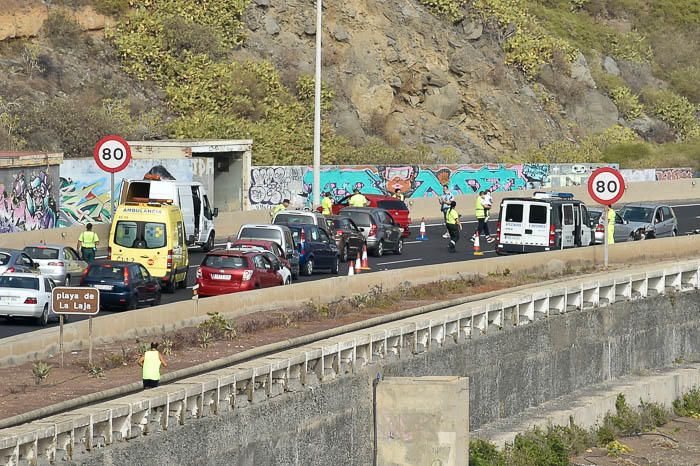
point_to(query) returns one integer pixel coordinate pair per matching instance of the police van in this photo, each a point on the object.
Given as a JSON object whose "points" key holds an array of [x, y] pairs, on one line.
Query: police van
{"points": [[544, 222]]}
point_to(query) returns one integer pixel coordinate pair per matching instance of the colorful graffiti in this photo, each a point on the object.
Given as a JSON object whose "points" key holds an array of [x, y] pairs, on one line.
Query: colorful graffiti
{"points": [[27, 202], [671, 174]]}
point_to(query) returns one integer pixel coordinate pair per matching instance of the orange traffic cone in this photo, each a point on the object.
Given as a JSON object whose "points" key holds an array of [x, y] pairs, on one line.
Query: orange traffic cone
{"points": [[421, 235], [477, 246], [365, 262], [358, 264], [351, 269]]}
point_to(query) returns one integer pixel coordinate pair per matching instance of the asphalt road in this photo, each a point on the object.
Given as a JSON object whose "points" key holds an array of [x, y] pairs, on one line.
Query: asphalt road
{"points": [[415, 253]]}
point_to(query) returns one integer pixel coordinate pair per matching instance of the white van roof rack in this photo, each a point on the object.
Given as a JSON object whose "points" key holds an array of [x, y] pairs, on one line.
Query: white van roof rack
{"points": [[552, 195]]}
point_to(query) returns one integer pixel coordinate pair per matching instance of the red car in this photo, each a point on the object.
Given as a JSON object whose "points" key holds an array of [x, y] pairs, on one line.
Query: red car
{"points": [[224, 272], [396, 208]]}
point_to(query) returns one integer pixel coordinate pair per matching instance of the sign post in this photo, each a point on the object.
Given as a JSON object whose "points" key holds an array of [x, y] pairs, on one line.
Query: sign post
{"points": [[112, 154], [77, 301], [606, 187]]}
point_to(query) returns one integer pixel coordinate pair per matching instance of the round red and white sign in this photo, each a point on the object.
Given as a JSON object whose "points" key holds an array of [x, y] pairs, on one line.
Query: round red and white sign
{"points": [[112, 154], [606, 186]]}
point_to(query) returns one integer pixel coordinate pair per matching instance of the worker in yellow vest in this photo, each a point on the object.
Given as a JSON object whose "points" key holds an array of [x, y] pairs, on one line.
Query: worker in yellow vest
{"points": [[453, 225], [611, 224], [357, 199], [87, 244], [151, 362], [279, 208], [327, 204], [398, 194]]}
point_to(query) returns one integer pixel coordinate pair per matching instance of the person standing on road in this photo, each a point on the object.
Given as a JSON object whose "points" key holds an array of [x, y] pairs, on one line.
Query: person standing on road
{"points": [[398, 194], [445, 201], [488, 203], [611, 224], [453, 225], [151, 362], [357, 199], [327, 204], [480, 214], [87, 244], [279, 208]]}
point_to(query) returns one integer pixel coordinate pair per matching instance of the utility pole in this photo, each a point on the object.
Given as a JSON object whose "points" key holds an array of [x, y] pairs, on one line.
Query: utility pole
{"points": [[317, 111]]}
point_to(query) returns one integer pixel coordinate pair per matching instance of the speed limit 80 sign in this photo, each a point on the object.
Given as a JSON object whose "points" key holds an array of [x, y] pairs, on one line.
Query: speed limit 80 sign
{"points": [[112, 154], [606, 186]]}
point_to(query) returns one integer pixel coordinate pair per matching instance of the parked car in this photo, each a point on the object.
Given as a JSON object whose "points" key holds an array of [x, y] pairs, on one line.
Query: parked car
{"points": [[300, 217], [14, 260], [646, 221], [380, 230], [347, 235], [122, 285], [273, 252], [230, 271], [280, 234], [26, 295], [396, 208], [316, 249], [60, 263]]}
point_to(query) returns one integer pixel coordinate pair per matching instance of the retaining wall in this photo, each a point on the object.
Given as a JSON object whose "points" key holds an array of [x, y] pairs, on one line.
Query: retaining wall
{"points": [[312, 405]]}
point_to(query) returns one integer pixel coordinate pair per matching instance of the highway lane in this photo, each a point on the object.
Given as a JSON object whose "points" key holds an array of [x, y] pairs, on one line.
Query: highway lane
{"points": [[416, 253]]}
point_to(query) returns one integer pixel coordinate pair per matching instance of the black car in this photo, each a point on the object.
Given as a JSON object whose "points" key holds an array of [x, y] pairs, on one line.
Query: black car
{"points": [[122, 285], [316, 249], [348, 237]]}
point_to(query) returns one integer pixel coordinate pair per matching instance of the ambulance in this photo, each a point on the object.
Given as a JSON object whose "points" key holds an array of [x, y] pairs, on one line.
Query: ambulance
{"points": [[152, 234]]}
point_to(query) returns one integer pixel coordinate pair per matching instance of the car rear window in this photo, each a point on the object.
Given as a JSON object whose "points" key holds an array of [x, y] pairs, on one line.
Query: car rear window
{"points": [[594, 215], [140, 235], [225, 262], [261, 233], [4, 258], [41, 253], [293, 219], [106, 271], [360, 218], [28, 283], [514, 213], [392, 205], [538, 214]]}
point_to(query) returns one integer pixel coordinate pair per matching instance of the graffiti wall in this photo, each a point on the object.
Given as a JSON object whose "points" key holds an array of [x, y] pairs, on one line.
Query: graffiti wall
{"points": [[671, 174], [28, 199], [270, 185], [84, 188]]}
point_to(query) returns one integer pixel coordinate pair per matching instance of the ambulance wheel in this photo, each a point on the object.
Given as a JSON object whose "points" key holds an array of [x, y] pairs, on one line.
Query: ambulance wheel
{"points": [[183, 284], [169, 286], [209, 245]]}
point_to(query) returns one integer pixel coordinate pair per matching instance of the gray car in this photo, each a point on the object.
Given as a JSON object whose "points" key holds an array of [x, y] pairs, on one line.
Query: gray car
{"points": [[645, 221], [14, 260], [60, 263], [380, 230]]}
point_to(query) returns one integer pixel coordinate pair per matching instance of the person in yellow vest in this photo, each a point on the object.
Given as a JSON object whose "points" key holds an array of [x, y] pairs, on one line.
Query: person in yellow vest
{"points": [[611, 224], [87, 244], [357, 199], [453, 225], [398, 194], [151, 362], [279, 208], [327, 204]]}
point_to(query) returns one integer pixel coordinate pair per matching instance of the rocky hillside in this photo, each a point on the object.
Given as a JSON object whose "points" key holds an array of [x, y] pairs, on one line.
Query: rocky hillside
{"points": [[404, 80]]}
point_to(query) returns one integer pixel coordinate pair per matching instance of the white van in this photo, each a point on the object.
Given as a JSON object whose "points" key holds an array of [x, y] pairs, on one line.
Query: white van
{"points": [[190, 196], [544, 222]]}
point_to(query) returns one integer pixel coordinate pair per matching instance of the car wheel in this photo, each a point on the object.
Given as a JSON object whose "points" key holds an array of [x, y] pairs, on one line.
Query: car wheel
{"points": [[674, 233], [157, 300], [336, 267], [288, 281], [295, 276], [170, 286], [309, 267], [209, 245], [66, 282], [345, 254], [399, 248], [134, 303], [379, 252], [43, 319]]}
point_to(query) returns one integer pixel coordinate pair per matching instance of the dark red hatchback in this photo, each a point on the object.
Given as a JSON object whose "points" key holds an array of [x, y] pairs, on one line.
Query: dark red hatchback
{"points": [[223, 272]]}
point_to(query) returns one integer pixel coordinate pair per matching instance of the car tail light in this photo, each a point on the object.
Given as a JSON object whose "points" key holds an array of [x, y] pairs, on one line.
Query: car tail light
{"points": [[600, 228], [126, 276], [339, 233], [109, 252], [56, 264], [170, 259], [30, 301], [199, 272], [247, 275], [498, 231], [552, 235], [10, 269], [302, 242], [373, 230]]}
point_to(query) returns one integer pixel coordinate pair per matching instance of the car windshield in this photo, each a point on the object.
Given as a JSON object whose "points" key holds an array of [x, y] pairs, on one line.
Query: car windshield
{"points": [[594, 215], [140, 235], [4, 258], [41, 253], [28, 283], [637, 214], [261, 233], [294, 219], [106, 272], [225, 262], [392, 205], [360, 218]]}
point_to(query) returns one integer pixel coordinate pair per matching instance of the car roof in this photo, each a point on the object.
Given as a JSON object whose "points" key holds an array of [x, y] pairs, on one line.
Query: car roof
{"points": [[46, 246], [648, 205], [231, 252], [381, 197], [255, 242], [360, 209], [298, 212], [265, 226], [543, 200], [10, 250], [111, 262], [21, 274]]}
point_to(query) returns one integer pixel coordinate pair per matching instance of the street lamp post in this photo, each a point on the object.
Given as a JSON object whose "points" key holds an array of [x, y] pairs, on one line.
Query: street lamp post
{"points": [[317, 110]]}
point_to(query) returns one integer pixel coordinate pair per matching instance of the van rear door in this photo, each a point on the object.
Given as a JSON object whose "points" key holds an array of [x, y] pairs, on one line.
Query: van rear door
{"points": [[568, 226], [512, 228], [535, 225]]}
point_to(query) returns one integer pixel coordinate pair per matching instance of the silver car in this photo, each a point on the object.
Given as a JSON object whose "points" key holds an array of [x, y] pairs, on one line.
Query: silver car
{"points": [[646, 221], [378, 227], [60, 263], [14, 260]]}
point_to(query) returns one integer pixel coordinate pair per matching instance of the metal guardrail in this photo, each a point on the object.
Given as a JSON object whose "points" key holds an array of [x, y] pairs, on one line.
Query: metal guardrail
{"points": [[65, 436]]}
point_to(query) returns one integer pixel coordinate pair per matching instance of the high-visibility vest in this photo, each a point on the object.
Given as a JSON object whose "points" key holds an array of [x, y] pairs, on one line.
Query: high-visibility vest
{"points": [[327, 205], [151, 365], [278, 208], [479, 208], [88, 239], [399, 196], [452, 217], [357, 200]]}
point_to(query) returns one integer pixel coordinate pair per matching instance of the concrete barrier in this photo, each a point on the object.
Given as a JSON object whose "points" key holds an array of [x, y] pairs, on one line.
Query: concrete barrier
{"points": [[66, 236], [143, 322], [90, 431]]}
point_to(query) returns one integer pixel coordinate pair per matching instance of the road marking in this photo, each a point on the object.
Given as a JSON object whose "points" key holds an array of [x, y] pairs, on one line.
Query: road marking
{"points": [[400, 262]]}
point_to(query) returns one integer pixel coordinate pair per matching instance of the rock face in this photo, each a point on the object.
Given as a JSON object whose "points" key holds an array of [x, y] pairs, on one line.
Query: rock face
{"points": [[596, 113], [610, 66], [581, 72]]}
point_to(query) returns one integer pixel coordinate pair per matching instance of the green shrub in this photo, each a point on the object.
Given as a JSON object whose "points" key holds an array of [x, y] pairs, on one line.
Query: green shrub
{"points": [[675, 110], [483, 453], [217, 327], [627, 102], [685, 82], [41, 371], [689, 404], [111, 7]]}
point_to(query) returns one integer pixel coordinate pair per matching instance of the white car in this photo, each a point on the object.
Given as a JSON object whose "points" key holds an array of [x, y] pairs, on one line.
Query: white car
{"points": [[26, 295]]}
